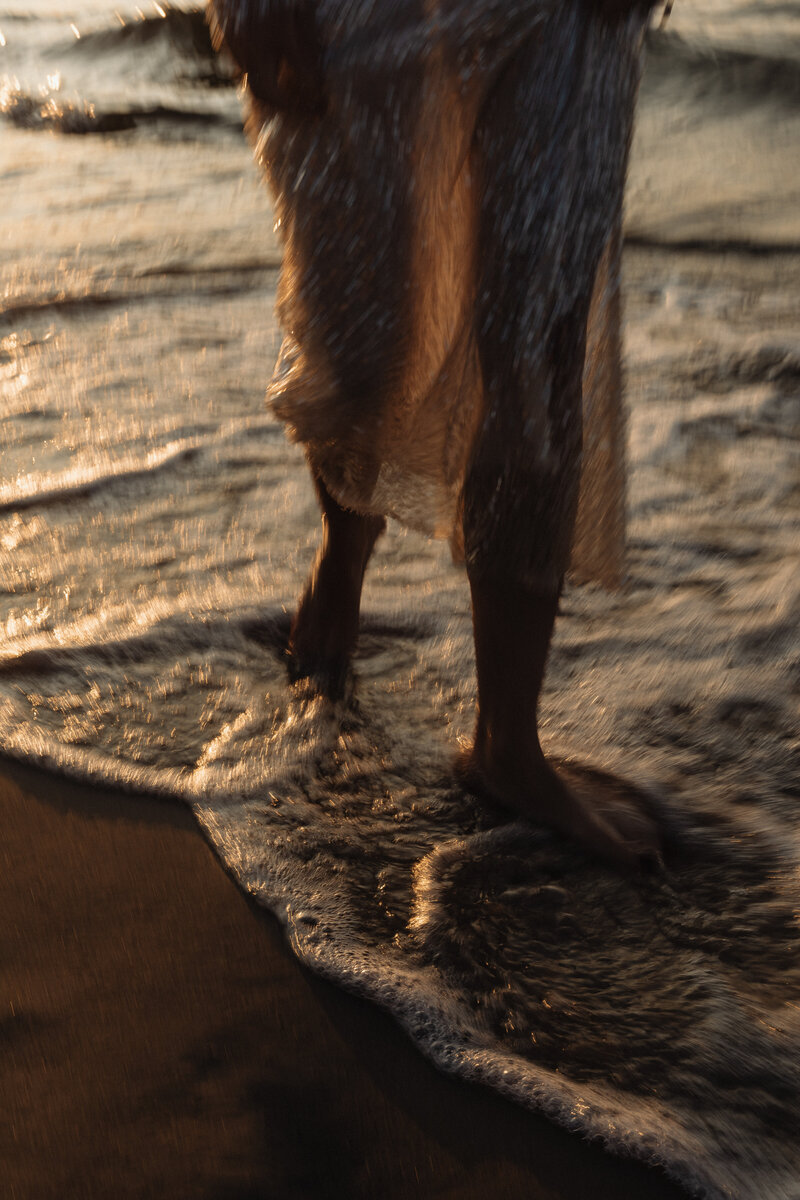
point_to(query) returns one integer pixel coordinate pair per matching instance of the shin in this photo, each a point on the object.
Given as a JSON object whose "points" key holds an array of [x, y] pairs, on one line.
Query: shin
{"points": [[325, 628]]}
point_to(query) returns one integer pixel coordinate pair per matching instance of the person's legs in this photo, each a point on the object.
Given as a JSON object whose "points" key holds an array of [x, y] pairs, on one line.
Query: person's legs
{"points": [[514, 605], [513, 624], [325, 628], [552, 190]]}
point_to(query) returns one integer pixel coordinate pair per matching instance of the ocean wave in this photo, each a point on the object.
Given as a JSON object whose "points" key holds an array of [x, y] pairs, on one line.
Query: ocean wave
{"points": [[165, 280], [127, 635], [610, 1003], [38, 490], [50, 112], [747, 247], [33, 490], [179, 34], [704, 73]]}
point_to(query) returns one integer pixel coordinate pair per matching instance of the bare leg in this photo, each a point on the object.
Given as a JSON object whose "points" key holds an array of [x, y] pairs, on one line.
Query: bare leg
{"points": [[545, 218], [514, 605], [512, 636], [325, 628]]}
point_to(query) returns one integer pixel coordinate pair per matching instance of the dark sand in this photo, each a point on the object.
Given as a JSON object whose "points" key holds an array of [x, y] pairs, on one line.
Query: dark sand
{"points": [[158, 1039]]}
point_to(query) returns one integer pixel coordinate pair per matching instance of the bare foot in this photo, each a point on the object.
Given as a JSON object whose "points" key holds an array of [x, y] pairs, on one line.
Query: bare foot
{"points": [[606, 815], [320, 649]]}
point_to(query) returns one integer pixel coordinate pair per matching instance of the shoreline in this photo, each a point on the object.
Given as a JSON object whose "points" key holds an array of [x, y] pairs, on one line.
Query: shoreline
{"points": [[161, 1040]]}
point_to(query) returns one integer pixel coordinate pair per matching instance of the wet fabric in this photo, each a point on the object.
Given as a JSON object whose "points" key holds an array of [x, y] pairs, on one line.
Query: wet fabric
{"points": [[446, 209]]}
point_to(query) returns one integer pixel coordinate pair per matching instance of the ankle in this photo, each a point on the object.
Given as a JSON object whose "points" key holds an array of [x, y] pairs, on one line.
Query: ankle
{"points": [[507, 752]]}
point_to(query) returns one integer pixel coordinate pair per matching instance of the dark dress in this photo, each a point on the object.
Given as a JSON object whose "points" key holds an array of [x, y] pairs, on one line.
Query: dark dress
{"points": [[443, 212]]}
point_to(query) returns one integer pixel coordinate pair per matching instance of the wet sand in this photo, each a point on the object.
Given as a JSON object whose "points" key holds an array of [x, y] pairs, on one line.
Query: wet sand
{"points": [[159, 1039]]}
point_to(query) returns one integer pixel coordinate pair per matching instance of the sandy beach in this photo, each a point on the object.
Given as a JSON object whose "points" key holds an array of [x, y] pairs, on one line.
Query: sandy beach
{"points": [[160, 1040]]}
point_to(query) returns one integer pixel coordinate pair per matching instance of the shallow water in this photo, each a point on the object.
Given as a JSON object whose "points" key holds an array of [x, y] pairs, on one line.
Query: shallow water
{"points": [[155, 528]]}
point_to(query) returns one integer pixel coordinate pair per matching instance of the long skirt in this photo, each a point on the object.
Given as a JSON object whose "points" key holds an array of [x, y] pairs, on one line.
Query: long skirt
{"points": [[444, 217]]}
